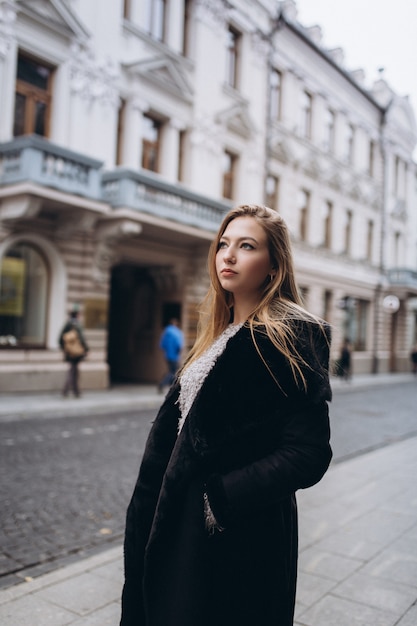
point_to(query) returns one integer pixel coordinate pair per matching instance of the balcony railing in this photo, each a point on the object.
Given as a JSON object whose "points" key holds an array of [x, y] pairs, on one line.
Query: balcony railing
{"points": [[31, 158], [146, 192], [403, 277], [34, 159]]}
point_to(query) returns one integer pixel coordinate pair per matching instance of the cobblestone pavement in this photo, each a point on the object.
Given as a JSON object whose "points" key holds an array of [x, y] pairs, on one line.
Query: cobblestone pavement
{"points": [[67, 488], [69, 478]]}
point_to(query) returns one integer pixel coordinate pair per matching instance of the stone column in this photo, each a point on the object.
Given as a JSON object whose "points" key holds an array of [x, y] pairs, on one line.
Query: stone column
{"points": [[132, 133], [170, 153], [8, 64]]}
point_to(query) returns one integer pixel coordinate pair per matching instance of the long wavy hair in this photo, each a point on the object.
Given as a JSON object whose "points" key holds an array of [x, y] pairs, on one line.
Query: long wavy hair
{"points": [[279, 304]]}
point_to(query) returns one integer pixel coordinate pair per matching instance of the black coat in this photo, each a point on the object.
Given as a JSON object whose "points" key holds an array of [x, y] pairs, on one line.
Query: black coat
{"points": [[250, 444]]}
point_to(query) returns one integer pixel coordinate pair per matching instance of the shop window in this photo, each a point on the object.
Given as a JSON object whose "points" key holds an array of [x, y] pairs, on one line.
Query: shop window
{"points": [[32, 98], [356, 322], [24, 283]]}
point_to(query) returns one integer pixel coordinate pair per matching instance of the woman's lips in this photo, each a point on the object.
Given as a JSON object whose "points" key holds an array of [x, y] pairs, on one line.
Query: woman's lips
{"points": [[228, 272]]}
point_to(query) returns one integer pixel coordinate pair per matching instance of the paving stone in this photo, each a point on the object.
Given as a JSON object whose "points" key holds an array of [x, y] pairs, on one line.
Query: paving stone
{"points": [[379, 593], [81, 594], [327, 565], [331, 611], [410, 618], [311, 588], [107, 616], [34, 611], [396, 565], [351, 544]]}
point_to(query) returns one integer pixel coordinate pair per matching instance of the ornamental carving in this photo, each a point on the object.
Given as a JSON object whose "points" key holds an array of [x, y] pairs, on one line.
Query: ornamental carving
{"points": [[93, 80], [7, 21]]}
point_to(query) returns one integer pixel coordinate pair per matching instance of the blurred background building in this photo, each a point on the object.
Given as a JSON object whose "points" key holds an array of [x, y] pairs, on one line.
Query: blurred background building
{"points": [[128, 128]]}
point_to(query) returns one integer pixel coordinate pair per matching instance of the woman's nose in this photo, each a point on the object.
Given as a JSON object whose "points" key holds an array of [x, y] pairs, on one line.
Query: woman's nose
{"points": [[229, 255]]}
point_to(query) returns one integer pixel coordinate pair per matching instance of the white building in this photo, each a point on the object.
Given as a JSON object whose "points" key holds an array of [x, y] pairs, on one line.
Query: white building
{"points": [[127, 129]]}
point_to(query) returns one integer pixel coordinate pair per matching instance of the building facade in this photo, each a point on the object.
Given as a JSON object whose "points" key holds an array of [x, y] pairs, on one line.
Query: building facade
{"points": [[126, 132]]}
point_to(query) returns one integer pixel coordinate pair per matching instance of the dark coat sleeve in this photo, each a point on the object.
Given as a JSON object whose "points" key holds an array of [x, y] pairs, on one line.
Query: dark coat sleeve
{"points": [[302, 454]]}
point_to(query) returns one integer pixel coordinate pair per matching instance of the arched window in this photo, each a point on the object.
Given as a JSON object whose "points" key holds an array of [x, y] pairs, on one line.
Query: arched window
{"points": [[23, 297]]}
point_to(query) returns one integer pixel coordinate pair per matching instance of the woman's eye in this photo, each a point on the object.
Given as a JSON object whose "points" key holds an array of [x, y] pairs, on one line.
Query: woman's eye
{"points": [[247, 246], [222, 244]]}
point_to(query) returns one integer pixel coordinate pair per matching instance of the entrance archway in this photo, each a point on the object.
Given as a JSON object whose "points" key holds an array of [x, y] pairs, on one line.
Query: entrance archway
{"points": [[133, 325]]}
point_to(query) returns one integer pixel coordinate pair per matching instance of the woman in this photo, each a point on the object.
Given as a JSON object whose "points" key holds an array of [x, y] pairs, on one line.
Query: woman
{"points": [[211, 532]]}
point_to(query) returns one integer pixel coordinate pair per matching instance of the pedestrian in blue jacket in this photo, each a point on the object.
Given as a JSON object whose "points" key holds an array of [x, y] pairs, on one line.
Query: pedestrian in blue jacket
{"points": [[172, 342]]}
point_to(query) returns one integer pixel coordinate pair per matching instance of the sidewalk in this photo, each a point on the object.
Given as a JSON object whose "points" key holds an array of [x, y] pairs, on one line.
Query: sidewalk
{"points": [[130, 397], [358, 537]]}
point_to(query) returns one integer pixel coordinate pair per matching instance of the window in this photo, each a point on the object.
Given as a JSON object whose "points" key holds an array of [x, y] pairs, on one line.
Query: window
{"points": [[350, 140], [271, 192], [275, 95], [151, 143], [186, 28], [370, 240], [306, 113], [348, 232], [400, 172], [127, 9], [229, 174], [156, 18], [181, 155], [23, 297], [232, 58], [32, 97], [120, 131], [328, 221], [329, 130], [372, 151], [397, 248], [304, 203]]}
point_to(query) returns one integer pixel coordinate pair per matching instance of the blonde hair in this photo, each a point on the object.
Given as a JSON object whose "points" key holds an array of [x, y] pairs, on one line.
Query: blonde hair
{"points": [[280, 301]]}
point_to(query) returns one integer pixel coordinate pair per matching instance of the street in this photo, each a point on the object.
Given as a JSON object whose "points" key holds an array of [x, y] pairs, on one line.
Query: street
{"points": [[67, 480]]}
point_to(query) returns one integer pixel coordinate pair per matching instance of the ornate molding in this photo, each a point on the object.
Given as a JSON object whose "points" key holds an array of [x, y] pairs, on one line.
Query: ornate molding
{"points": [[108, 234], [93, 80], [7, 29], [211, 12], [207, 134]]}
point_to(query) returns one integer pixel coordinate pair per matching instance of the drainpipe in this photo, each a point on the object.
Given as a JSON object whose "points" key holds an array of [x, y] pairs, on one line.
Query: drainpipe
{"points": [[383, 234], [277, 24]]}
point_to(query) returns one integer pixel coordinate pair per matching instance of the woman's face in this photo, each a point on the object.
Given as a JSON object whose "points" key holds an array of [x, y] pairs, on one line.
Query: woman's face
{"points": [[242, 260]]}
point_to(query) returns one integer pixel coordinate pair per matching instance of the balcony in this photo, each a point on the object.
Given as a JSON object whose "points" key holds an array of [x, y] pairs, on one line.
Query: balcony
{"points": [[33, 159], [403, 278], [147, 192]]}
